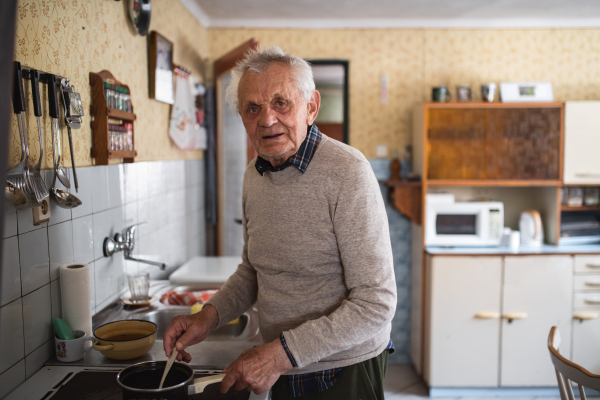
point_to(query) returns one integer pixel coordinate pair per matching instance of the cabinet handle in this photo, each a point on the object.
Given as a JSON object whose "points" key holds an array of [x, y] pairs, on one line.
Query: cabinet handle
{"points": [[589, 265], [487, 315], [585, 315], [587, 173], [592, 283], [516, 315], [592, 300]]}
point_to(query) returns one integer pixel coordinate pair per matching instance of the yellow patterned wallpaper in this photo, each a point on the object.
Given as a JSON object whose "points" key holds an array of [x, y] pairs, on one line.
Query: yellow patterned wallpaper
{"points": [[74, 37], [417, 59]]}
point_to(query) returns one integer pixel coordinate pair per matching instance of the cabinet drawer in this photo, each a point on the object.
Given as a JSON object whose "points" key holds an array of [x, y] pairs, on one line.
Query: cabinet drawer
{"points": [[588, 282], [586, 300], [582, 114], [587, 264]]}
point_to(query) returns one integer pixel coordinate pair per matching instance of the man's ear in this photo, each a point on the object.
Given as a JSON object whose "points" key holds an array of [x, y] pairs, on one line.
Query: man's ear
{"points": [[313, 106]]}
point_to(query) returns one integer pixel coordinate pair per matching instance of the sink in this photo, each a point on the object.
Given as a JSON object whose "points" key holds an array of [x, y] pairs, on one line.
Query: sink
{"points": [[229, 332]]}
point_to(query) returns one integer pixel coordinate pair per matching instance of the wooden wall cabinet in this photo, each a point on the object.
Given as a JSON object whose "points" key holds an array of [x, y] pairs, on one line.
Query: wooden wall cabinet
{"points": [[470, 339], [100, 113]]}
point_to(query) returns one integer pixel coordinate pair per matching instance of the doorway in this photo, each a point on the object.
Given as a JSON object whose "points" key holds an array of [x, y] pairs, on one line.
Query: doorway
{"points": [[331, 80]]}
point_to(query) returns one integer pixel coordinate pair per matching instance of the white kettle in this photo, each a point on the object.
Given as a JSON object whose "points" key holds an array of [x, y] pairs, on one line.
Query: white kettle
{"points": [[532, 231]]}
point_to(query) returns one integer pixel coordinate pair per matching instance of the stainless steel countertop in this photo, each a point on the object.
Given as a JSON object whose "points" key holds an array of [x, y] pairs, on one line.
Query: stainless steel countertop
{"points": [[209, 355]]}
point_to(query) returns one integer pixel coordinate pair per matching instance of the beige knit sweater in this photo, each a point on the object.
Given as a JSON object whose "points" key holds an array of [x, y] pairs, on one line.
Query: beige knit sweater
{"points": [[317, 260]]}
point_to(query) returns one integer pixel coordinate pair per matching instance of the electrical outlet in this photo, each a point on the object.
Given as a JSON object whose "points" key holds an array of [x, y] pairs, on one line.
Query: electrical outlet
{"points": [[41, 214], [381, 151]]}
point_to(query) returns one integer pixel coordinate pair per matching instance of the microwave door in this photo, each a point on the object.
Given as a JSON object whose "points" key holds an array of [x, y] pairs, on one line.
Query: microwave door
{"points": [[456, 224]]}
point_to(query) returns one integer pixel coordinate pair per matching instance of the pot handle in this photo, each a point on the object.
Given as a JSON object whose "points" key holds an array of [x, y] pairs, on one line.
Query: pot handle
{"points": [[99, 347], [201, 383]]}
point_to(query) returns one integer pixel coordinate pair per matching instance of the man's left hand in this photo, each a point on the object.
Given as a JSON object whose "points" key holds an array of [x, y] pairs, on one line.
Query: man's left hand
{"points": [[257, 369]]}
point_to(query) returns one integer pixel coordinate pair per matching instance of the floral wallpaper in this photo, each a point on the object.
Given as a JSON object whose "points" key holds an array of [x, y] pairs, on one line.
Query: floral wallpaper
{"points": [[74, 37], [415, 60]]}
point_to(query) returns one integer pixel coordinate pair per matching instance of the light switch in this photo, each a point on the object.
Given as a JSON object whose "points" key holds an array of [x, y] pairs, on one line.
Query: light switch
{"points": [[381, 151]]}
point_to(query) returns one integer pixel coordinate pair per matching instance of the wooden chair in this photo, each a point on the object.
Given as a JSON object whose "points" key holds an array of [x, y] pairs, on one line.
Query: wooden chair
{"points": [[567, 372]]}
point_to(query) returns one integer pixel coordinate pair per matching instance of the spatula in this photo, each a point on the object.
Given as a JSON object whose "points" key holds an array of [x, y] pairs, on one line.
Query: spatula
{"points": [[170, 362]]}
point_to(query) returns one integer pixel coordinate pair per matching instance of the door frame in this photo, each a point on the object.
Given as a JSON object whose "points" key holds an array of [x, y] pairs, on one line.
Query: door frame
{"points": [[221, 66], [346, 65]]}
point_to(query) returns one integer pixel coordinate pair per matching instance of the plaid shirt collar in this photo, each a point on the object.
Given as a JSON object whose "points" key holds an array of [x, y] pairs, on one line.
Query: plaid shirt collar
{"points": [[299, 160]]}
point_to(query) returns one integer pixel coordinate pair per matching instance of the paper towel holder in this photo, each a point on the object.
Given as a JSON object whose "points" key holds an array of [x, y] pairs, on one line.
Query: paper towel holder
{"points": [[125, 242]]}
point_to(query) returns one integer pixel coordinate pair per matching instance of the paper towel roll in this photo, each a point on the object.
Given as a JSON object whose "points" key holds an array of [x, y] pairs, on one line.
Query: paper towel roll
{"points": [[75, 297]]}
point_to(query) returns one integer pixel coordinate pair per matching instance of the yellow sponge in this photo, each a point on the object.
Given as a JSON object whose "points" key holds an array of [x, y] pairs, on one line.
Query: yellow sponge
{"points": [[197, 307]]}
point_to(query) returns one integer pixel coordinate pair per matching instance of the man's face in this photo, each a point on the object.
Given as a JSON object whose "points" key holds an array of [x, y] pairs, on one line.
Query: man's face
{"points": [[274, 113]]}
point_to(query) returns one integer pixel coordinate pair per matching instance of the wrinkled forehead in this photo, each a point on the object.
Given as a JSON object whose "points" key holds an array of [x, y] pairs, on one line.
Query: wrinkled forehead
{"points": [[277, 81]]}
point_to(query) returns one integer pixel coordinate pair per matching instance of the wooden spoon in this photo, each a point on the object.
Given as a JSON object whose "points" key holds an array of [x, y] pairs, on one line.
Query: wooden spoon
{"points": [[170, 361]]}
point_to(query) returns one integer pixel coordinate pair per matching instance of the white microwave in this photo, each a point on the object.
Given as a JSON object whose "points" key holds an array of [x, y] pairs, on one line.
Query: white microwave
{"points": [[464, 223]]}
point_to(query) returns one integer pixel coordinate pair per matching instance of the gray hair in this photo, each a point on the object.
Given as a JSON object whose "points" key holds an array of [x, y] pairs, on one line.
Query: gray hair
{"points": [[258, 61]]}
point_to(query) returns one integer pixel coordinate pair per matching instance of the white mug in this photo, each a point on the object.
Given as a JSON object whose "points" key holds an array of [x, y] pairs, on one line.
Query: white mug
{"points": [[74, 349]]}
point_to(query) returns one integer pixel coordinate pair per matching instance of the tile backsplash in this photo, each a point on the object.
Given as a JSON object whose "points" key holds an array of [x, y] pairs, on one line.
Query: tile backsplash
{"points": [[167, 196]]}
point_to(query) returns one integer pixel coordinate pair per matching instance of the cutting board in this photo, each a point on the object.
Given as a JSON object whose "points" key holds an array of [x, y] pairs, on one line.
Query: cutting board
{"points": [[205, 272]]}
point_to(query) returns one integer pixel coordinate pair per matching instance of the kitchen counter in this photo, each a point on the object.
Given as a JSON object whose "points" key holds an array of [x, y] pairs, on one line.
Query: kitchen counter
{"points": [[205, 272], [523, 250], [207, 355]]}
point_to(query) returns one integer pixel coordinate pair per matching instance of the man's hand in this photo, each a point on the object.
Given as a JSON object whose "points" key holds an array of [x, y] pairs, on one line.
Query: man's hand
{"points": [[186, 330], [257, 369]]}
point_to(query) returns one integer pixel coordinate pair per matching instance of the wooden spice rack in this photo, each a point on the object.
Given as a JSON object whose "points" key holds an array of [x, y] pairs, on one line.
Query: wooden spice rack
{"points": [[100, 113]]}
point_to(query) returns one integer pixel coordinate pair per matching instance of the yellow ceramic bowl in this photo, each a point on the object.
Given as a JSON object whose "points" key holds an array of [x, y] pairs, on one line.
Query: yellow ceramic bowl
{"points": [[124, 340]]}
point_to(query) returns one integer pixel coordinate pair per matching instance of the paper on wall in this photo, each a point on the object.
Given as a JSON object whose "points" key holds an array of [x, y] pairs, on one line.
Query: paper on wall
{"points": [[184, 129]]}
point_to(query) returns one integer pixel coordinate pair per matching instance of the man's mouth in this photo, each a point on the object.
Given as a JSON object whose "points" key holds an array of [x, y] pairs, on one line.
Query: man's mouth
{"points": [[271, 137]]}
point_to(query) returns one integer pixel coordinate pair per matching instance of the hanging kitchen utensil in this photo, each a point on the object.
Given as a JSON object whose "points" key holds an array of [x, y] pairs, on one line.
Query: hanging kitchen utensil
{"points": [[16, 177], [39, 187], [59, 172], [73, 114]]}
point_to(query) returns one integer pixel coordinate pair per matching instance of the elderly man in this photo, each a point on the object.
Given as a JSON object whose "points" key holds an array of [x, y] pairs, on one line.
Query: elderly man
{"points": [[317, 259]]}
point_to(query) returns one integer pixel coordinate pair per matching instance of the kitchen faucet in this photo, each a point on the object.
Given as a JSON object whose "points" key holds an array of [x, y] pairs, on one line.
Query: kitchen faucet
{"points": [[126, 242]]}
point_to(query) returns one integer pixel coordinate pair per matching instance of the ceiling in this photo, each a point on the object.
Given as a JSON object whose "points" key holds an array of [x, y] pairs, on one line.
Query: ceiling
{"points": [[395, 13]]}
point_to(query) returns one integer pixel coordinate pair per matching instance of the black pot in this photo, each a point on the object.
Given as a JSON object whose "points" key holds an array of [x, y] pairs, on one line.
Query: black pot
{"points": [[140, 381]]}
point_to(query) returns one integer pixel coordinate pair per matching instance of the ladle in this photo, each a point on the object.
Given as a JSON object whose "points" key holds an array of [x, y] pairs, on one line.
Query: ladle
{"points": [[64, 199], [59, 172]]}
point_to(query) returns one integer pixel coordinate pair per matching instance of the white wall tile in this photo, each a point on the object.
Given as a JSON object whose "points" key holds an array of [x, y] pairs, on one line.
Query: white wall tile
{"points": [[56, 299], [103, 279], [35, 361], [10, 220], [106, 224], [37, 318], [131, 182], [12, 378], [131, 214], [10, 271], [60, 246], [84, 192], [143, 180], [35, 265], [115, 178], [57, 214], [25, 221], [11, 334], [99, 179], [155, 179], [83, 239]]}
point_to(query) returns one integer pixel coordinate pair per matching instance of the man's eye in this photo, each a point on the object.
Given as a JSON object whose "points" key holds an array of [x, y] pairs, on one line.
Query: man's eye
{"points": [[252, 110], [279, 103]]}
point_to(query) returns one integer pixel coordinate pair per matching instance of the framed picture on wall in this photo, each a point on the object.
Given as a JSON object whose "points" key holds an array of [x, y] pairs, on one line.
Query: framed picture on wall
{"points": [[161, 68]]}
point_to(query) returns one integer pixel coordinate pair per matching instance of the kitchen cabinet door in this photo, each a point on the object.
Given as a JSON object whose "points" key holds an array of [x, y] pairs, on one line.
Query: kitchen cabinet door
{"points": [[464, 325], [537, 295], [586, 346], [582, 140]]}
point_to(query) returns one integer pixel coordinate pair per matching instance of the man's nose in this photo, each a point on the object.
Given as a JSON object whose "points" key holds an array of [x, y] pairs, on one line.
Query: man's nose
{"points": [[267, 117]]}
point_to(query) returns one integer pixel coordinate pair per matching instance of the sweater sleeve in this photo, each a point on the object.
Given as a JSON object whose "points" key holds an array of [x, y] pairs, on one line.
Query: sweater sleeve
{"points": [[240, 291], [361, 227]]}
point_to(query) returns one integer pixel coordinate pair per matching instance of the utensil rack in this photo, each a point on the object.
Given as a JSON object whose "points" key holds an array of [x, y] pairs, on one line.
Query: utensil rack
{"points": [[100, 113]]}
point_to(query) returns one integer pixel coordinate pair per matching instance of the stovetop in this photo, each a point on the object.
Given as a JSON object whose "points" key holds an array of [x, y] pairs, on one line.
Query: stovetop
{"points": [[79, 383]]}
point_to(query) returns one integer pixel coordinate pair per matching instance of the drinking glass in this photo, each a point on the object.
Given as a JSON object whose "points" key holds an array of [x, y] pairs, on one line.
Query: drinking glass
{"points": [[139, 285]]}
